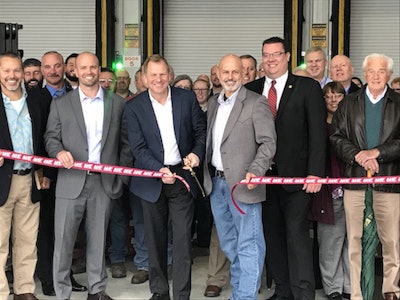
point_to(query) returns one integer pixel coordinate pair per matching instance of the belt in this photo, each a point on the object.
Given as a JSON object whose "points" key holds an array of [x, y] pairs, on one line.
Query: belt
{"points": [[90, 173], [173, 166], [22, 172], [219, 173], [273, 170]]}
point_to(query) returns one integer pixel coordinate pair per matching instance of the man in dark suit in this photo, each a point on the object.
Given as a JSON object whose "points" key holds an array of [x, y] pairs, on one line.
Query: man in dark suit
{"points": [[240, 144], [85, 125], [166, 125], [22, 124], [301, 149]]}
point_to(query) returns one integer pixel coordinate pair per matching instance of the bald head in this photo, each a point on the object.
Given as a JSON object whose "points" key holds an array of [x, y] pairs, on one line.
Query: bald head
{"points": [[341, 69], [230, 73], [123, 82], [87, 70]]}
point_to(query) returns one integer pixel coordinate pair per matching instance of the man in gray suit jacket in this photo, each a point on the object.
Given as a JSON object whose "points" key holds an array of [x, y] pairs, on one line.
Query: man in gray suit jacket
{"points": [[240, 144], [85, 125]]}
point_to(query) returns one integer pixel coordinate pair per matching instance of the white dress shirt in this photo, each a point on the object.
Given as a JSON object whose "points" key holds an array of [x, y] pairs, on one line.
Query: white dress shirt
{"points": [[165, 121], [279, 87], [377, 99], [93, 114], [223, 113]]}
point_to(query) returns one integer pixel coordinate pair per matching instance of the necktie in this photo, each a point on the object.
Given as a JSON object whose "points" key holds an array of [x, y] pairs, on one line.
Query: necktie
{"points": [[272, 98], [58, 93]]}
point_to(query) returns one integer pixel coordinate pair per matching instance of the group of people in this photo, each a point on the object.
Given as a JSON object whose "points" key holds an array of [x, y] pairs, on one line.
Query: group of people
{"points": [[210, 136]]}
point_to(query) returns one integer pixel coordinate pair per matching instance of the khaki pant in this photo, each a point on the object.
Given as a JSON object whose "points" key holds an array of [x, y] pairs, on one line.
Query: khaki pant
{"points": [[218, 264], [387, 215], [22, 216]]}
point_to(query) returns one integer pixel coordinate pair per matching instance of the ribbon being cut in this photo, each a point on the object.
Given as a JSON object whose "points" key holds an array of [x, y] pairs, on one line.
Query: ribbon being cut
{"points": [[86, 166], [110, 169]]}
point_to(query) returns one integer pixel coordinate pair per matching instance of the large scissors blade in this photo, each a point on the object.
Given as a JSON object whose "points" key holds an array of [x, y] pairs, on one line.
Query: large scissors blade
{"points": [[193, 173]]}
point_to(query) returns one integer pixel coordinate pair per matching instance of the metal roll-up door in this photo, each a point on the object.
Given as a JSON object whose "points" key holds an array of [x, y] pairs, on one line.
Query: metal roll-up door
{"points": [[198, 33], [64, 26], [375, 27]]}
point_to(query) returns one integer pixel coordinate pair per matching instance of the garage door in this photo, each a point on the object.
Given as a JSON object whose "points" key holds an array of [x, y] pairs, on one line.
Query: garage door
{"points": [[64, 26], [375, 27], [198, 33]]}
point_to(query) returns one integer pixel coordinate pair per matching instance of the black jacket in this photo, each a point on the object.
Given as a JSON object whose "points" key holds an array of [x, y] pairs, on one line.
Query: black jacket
{"points": [[38, 110], [349, 137], [300, 128]]}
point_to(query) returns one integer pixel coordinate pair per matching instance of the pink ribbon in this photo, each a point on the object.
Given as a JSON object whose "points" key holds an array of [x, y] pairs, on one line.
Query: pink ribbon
{"points": [[125, 171], [299, 180], [86, 166]]}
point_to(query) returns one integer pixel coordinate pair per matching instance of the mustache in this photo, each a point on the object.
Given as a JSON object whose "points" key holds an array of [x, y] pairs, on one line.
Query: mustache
{"points": [[33, 82], [230, 81], [72, 78]]}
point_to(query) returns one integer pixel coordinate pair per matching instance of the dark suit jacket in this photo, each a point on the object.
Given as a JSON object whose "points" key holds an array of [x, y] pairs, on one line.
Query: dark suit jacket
{"points": [[145, 138], [300, 128], [38, 109], [353, 88], [66, 130]]}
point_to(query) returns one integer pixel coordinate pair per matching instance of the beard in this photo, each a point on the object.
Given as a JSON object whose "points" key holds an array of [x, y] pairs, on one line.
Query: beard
{"points": [[33, 84], [231, 87], [71, 78]]}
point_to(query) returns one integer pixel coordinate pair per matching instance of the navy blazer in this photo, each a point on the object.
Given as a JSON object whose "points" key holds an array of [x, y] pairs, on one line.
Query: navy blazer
{"points": [[146, 143], [38, 106]]}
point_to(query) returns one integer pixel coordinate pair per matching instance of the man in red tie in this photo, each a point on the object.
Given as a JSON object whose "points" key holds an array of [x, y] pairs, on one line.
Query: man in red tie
{"points": [[301, 148]]}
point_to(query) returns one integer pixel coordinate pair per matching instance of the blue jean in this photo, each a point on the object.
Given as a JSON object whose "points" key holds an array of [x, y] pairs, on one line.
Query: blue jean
{"points": [[141, 259], [118, 231], [241, 238]]}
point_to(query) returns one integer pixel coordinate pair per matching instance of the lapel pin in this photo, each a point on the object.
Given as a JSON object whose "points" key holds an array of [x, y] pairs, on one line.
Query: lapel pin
{"points": [[290, 86]]}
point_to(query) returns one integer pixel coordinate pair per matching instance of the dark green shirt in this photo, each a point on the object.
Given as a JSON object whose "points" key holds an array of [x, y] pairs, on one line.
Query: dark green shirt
{"points": [[373, 122]]}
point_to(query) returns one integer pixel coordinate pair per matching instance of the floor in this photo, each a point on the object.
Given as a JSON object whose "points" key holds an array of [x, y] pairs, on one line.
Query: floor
{"points": [[122, 289]]}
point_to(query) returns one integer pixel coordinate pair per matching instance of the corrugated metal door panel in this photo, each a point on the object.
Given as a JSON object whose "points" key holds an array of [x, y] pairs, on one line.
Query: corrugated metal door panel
{"points": [[198, 33], [375, 27], [64, 26]]}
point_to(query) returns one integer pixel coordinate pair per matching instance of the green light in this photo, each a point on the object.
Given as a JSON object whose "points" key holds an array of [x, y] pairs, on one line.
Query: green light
{"points": [[118, 66]]}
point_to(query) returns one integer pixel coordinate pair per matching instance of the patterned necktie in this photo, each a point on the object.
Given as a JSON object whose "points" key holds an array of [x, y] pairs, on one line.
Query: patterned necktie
{"points": [[272, 98]]}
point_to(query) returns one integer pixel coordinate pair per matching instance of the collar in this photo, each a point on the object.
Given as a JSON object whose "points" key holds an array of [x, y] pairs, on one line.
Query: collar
{"points": [[152, 99], [281, 79], [380, 96], [83, 97], [24, 95], [53, 90], [230, 99]]}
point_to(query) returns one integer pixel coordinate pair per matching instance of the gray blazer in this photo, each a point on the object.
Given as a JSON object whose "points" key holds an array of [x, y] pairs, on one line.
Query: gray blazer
{"points": [[66, 131], [248, 143]]}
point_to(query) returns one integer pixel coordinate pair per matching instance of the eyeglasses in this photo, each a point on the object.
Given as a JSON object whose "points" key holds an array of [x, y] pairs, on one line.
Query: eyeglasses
{"points": [[200, 90], [122, 78], [334, 96], [272, 55], [106, 80], [183, 87]]}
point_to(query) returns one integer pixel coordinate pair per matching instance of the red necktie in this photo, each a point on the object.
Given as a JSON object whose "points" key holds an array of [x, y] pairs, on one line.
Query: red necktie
{"points": [[272, 98]]}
